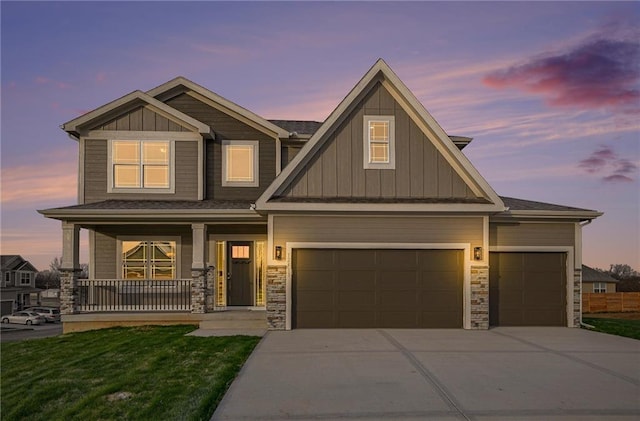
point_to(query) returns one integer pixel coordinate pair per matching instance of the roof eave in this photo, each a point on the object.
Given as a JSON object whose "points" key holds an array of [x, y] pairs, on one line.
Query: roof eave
{"points": [[489, 208], [548, 214], [147, 214]]}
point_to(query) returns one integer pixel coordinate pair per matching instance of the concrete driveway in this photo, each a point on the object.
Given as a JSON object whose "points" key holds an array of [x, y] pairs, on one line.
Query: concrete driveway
{"points": [[500, 374]]}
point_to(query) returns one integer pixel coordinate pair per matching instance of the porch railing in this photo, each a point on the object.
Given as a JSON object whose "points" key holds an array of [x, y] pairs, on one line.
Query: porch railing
{"points": [[134, 295]]}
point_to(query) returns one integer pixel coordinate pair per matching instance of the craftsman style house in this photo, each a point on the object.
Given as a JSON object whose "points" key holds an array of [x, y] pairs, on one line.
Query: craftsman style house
{"points": [[196, 206], [17, 285]]}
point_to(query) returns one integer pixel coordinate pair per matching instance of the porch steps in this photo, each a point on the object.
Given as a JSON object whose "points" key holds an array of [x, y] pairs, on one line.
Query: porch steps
{"points": [[234, 320]]}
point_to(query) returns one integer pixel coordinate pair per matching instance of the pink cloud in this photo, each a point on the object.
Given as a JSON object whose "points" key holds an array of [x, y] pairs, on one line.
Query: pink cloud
{"points": [[600, 73], [605, 159], [39, 183], [101, 77]]}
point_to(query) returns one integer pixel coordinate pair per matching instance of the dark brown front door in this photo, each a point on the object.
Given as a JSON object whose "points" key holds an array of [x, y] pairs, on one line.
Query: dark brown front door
{"points": [[527, 289], [352, 288], [240, 273]]}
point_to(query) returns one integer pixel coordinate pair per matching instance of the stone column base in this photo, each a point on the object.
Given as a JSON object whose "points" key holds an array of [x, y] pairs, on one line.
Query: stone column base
{"points": [[68, 291], [480, 297], [198, 291], [277, 297]]}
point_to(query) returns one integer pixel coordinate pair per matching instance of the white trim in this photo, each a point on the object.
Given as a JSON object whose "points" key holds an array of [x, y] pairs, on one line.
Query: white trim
{"points": [[549, 249], [92, 254], [142, 190], [18, 280], [256, 164], [81, 155], [278, 156], [271, 261], [485, 242], [201, 170], [465, 247], [366, 140]]}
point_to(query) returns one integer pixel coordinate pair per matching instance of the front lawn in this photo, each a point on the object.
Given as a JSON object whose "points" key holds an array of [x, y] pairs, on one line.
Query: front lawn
{"points": [[620, 327], [140, 373]]}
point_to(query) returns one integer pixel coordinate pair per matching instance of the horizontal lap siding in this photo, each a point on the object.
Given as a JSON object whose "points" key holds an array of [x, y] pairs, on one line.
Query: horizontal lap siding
{"points": [[96, 173], [532, 234], [377, 229], [228, 128], [337, 170], [106, 258]]}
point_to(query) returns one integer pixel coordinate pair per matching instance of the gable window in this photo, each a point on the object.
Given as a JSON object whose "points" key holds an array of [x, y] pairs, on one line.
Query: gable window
{"points": [[379, 142], [138, 166], [149, 259], [240, 163], [25, 278], [599, 287]]}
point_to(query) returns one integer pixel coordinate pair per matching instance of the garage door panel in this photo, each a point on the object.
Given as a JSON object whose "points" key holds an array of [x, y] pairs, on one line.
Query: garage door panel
{"points": [[440, 280], [398, 319], [378, 288], [397, 260], [388, 280], [527, 289], [398, 299], [314, 300], [314, 259], [314, 319], [355, 259], [355, 319], [355, 280], [441, 319], [364, 298], [439, 260], [316, 280]]}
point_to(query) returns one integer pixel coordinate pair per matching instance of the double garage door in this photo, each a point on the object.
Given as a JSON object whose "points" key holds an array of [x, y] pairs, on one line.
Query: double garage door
{"points": [[354, 288]]}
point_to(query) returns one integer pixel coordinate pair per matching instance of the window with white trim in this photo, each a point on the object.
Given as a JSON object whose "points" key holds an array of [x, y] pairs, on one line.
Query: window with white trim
{"points": [[25, 278], [149, 259], [599, 287], [141, 165], [7, 278], [240, 163], [379, 142]]}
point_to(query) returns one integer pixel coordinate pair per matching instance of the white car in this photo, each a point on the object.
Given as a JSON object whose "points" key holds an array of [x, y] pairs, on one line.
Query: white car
{"points": [[24, 317], [50, 314]]}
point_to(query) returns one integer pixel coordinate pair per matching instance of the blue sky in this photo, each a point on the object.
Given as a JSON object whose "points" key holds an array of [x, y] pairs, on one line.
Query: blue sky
{"points": [[550, 91]]}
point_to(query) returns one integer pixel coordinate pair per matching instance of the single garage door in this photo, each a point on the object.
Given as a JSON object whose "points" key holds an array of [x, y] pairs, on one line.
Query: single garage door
{"points": [[527, 289], [353, 288]]}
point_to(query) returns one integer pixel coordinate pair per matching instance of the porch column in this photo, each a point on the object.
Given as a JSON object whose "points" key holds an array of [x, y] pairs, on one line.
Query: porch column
{"points": [[70, 268], [480, 297], [199, 269]]}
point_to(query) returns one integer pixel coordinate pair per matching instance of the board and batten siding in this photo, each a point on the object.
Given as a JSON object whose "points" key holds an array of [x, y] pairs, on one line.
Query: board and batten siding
{"points": [[96, 173], [337, 170], [105, 247], [141, 119], [531, 234], [372, 229], [228, 128]]}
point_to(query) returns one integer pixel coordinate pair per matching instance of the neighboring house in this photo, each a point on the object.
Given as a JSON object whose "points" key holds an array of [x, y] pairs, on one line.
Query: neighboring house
{"points": [[596, 281], [18, 284], [373, 218]]}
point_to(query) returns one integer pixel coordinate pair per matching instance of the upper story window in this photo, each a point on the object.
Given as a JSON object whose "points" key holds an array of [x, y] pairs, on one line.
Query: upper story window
{"points": [[240, 163], [599, 287], [25, 278], [379, 142], [139, 166], [7, 278]]}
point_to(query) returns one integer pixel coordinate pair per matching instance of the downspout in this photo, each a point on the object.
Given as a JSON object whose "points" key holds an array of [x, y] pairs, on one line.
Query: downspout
{"points": [[582, 225]]}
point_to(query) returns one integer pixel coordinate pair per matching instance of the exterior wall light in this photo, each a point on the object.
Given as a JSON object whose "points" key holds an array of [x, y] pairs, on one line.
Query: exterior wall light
{"points": [[477, 253], [278, 252]]}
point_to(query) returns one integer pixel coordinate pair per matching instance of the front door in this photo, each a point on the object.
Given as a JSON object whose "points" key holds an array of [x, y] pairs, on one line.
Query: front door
{"points": [[240, 273]]}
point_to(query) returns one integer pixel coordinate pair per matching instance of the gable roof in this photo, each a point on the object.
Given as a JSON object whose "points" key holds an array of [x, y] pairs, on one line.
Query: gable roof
{"points": [[299, 127], [181, 84], [592, 275], [128, 102], [15, 262], [521, 208], [418, 114]]}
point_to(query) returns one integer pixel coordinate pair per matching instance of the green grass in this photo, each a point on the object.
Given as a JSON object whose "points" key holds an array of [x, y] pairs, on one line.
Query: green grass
{"points": [[620, 327], [169, 376]]}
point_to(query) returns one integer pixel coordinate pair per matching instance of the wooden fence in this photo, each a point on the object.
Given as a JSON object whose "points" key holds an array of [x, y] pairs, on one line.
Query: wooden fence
{"points": [[613, 302]]}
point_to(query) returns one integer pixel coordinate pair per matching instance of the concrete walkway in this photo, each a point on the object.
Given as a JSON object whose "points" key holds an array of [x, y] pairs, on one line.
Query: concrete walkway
{"points": [[500, 374]]}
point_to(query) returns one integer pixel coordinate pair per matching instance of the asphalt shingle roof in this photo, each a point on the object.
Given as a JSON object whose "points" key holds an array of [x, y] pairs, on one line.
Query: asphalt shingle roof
{"points": [[524, 205], [161, 204], [592, 275], [298, 126]]}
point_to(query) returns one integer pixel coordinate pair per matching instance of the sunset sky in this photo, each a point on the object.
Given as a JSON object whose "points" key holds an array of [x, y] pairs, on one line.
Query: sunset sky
{"points": [[550, 91]]}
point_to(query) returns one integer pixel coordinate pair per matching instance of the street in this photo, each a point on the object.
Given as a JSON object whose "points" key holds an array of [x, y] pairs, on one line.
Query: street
{"points": [[11, 332]]}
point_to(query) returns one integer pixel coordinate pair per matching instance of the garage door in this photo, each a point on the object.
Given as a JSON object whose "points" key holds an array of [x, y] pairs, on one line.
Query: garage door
{"points": [[353, 288], [527, 289]]}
